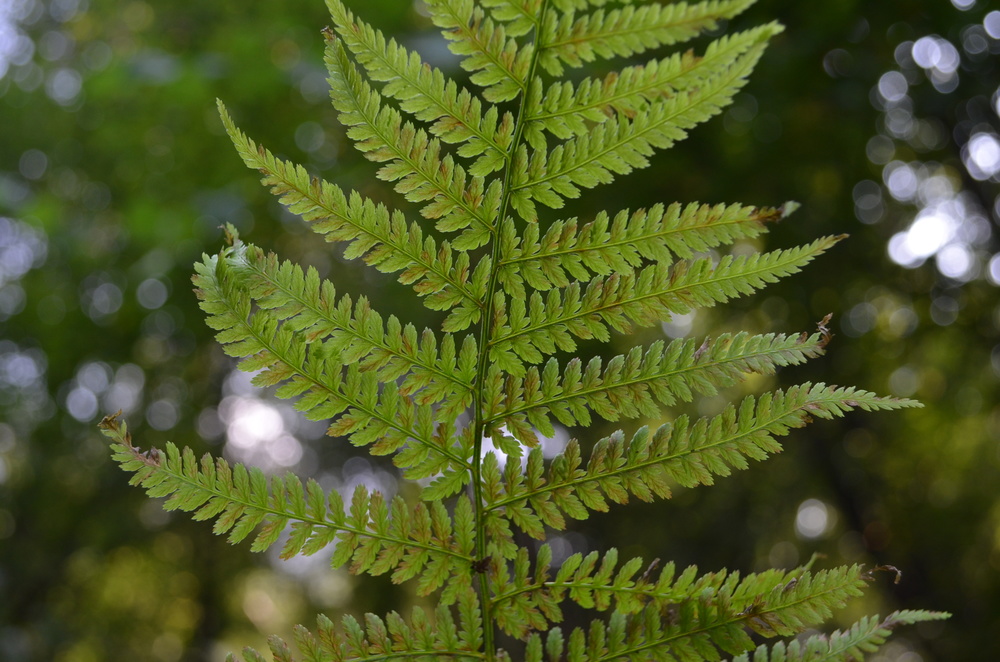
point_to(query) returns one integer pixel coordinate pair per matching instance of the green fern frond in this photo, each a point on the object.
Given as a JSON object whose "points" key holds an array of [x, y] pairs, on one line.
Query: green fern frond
{"points": [[573, 41], [678, 453], [394, 638], [621, 145], [600, 583], [355, 333], [569, 252], [524, 333], [631, 385], [367, 414], [499, 64], [708, 623], [863, 638], [369, 536], [456, 115], [382, 239], [566, 110], [476, 161], [413, 160]]}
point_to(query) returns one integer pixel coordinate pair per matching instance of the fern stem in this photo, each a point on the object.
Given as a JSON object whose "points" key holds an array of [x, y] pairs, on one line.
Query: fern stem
{"points": [[424, 654], [485, 333], [641, 591]]}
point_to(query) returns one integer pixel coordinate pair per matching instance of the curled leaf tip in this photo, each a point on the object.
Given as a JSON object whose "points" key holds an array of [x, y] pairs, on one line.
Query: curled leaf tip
{"points": [[870, 575], [110, 422], [824, 330]]}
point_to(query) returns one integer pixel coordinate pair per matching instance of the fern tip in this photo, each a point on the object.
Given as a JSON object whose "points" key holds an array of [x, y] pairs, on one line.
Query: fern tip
{"points": [[232, 235], [110, 422], [824, 330]]}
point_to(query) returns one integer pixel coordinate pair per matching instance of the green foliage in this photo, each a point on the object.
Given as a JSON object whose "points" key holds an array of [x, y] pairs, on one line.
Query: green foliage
{"points": [[517, 292]]}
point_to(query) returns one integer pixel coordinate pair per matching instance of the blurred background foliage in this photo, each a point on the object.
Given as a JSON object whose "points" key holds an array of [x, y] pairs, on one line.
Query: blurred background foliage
{"points": [[115, 174]]}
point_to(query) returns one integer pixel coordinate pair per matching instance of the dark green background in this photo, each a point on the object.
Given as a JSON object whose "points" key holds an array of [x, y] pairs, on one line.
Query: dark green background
{"points": [[115, 175]]}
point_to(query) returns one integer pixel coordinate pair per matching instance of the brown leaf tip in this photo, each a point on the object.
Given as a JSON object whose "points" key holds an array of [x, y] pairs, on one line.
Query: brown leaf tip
{"points": [[824, 331], [110, 422], [870, 575]]}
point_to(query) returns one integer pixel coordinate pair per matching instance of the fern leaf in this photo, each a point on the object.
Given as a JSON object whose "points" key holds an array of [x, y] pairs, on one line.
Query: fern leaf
{"points": [[707, 623], [631, 385], [457, 116], [530, 601], [413, 160], [682, 452], [863, 638], [548, 324], [415, 542], [387, 419], [499, 64], [600, 583], [517, 607], [566, 110], [354, 333], [621, 145], [572, 41], [519, 16], [419, 638], [569, 252], [472, 162], [382, 239]]}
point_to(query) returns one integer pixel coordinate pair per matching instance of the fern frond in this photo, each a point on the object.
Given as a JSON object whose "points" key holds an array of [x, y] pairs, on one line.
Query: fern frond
{"points": [[679, 453], [707, 624], [355, 333], [600, 583], [632, 384], [366, 413], [499, 64], [566, 110], [382, 239], [477, 162], [573, 41], [569, 252], [863, 638], [413, 159], [621, 145], [624, 299], [456, 115], [370, 536], [394, 638]]}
